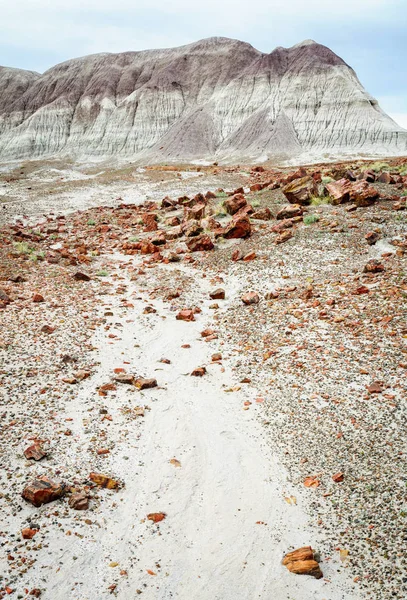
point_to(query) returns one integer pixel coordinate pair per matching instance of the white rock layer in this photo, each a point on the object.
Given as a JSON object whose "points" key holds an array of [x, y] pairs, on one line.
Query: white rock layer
{"points": [[215, 99]]}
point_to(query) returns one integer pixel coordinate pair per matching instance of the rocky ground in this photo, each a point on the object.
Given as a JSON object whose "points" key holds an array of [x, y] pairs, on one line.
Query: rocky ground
{"points": [[208, 380]]}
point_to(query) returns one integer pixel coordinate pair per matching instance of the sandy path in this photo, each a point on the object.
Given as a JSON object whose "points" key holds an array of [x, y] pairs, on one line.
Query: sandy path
{"points": [[209, 547]]}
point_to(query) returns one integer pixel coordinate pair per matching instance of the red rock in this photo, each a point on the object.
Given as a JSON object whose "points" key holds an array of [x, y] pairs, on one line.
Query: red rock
{"points": [[79, 276], [372, 237], [362, 194], [240, 228], [237, 255], [339, 191], [147, 247], [28, 533], [145, 384], [172, 221], [192, 229], [250, 298], [338, 477], [290, 210], [210, 195], [173, 233], [79, 501], [384, 177], [149, 221], [250, 256], [362, 289], [35, 452], [216, 357], [300, 191], [185, 315], [43, 490], [47, 329], [38, 298], [4, 298], [302, 562], [218, 294], [235, 203], [264, 214], [373, 266], [256, 187], [168, 203], [201, 243], [207, 332], [375, 388], [284, 224], [199, 372], [159, 239]]}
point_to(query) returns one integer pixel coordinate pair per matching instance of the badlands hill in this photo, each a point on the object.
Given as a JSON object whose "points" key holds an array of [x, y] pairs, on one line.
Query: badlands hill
{"points": [[216, 99]]}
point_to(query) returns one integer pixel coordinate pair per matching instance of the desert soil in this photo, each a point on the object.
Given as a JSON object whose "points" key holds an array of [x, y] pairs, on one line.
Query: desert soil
{"points": [[223, 456]]}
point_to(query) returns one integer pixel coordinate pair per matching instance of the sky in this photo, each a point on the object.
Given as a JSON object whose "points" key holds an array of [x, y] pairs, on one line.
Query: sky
{"points": [[370, 35]]}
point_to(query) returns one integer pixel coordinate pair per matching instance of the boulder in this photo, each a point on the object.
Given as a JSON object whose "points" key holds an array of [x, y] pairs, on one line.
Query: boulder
{"points": [[200, 243], [250, 298], [145, 384], [192, 229], [218, 294], [300, 191], [79, 501], [234, 203], [79, 276], [373, 266], [362, 194], [339, 191]]}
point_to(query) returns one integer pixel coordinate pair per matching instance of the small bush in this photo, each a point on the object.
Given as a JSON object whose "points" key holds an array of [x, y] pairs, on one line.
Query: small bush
{"points": [[255, 203], [318, 200], [403, 193], [23, 248], [91, 222], [102, 274], [377, 167], [310, 219], [221, 194], [327, 179]]}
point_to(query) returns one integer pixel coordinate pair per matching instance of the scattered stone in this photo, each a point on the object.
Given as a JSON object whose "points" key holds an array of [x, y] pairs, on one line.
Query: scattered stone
{"points": [[218, 294], [35, 452], [200, 244], [4, 298], [283, 237], [289, 211], [79, 276], [375, 388], [249, 256], [372, 237], [250, 298], [43, 490], [185, 315], [124, 378], [338, 477], [145, 384], [198, 372], [156, 517], [263, 214], [104, 481], [216, 357], [28, 533], [38, 298], [302, 562], [79, 501], [373, 266]]}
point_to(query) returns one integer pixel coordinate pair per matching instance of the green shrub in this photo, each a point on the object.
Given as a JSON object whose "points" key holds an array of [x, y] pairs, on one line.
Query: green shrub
{"points": [[318, 200], [310, 219], [326, 179]]}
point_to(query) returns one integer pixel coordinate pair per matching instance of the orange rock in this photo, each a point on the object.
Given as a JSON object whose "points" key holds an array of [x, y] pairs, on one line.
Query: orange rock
{"points": [[35, 451], [198, 372], [156, 517], [104, 481], [28, 534], [302, 562], [311, 482], [38, 298]]}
